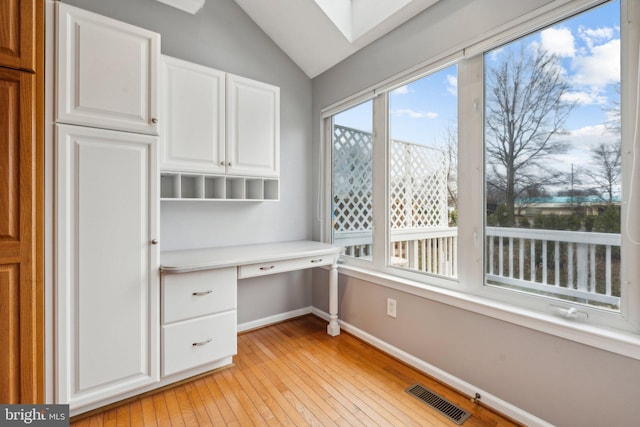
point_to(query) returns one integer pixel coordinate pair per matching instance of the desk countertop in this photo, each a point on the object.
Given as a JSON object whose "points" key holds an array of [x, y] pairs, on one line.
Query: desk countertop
{"points": [[183, 261]]}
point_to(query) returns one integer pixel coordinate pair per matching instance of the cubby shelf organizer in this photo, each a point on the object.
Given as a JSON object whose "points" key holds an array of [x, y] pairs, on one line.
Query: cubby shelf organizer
{"points": [[192, 186]]}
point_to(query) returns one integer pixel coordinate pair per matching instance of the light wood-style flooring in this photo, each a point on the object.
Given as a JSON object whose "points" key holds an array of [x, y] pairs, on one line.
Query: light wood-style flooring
{"points": [[294, 374]]}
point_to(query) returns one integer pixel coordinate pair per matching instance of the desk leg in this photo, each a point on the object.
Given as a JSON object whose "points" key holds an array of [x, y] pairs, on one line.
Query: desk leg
{"points": [[333, 328]]}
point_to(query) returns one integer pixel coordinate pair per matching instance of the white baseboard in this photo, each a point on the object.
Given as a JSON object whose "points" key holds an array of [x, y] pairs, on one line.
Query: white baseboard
{"points": [[456, 383], [265, 321]]}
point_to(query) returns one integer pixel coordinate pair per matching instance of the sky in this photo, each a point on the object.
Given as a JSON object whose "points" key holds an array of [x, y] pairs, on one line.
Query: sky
{"points": [[588, 46]]}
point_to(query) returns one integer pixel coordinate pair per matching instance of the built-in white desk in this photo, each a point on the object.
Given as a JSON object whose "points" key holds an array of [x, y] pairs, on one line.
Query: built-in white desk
{"points": [[260, 260]]}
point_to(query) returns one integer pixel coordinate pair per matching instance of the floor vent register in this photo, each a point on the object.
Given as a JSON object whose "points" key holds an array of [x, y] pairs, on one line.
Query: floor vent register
{"points": [[439, 403]]}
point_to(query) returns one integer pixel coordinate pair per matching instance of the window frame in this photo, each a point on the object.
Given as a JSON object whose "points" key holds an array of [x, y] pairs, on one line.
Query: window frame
{"points": [[619, 332], [627, 318]]}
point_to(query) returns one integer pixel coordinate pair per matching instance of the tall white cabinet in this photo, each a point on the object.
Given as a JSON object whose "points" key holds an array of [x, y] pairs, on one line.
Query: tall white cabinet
{"points": [[107, 258], [107, 263]]}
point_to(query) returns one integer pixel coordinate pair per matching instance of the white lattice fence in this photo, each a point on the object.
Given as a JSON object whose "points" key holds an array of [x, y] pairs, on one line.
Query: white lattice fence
{"points": [[418, 188], [352, 179]]}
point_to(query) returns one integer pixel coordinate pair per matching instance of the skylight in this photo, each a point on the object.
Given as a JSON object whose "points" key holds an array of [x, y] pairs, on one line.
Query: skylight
{"points": [[190, 6], [354, 18]]}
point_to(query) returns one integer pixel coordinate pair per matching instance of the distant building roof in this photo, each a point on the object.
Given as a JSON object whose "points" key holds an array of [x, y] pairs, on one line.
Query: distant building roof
{"points": [[564, 200]]}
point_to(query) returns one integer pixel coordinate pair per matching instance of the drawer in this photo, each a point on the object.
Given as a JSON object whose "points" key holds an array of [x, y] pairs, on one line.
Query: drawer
{"points": [[262, 269], [197, 342], [198, 293]]}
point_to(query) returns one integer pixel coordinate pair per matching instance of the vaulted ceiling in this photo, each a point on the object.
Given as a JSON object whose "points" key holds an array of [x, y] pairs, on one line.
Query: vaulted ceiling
{"points": [[317, 34]]}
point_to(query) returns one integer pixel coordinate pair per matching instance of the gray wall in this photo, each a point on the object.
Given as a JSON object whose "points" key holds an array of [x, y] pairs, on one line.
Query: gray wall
{"points": [[560, 381], [222, 36]]}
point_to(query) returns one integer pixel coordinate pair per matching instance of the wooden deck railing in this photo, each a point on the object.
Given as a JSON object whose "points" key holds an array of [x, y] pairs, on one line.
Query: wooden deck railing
{"points": [[430, 250], [581, 266], [575, 264]]}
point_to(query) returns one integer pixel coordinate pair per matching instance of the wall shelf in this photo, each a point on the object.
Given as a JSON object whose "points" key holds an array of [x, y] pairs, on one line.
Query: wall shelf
{"points": [[190, 186]]}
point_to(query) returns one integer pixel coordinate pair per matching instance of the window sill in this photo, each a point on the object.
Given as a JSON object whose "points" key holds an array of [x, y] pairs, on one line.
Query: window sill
{"points": [[618, 342]]}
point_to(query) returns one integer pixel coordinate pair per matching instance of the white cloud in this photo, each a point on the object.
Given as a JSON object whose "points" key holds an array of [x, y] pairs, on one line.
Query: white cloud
{"points": [[495, 53], [612, 115], [600, 68], [588, 137], [558, 41], [591, 36], [452, 86], [402, 90], [562, 161], [581, 142], [415, 114], [585, 98]]}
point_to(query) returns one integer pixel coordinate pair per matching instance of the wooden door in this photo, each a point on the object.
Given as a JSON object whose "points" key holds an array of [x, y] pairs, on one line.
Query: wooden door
{"points": [[193, 105], [107, 72], [253, 128], [107, 264], [21, 202], [18, 33]]}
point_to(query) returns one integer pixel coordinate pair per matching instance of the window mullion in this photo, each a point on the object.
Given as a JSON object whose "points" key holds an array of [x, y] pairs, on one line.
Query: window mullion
{"points": [[630, 272], [326, 176], [380, 150], [470, 173]]}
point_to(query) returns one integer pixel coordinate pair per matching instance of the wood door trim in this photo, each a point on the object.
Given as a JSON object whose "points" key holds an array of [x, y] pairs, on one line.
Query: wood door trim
{"points": [[22, 252]]}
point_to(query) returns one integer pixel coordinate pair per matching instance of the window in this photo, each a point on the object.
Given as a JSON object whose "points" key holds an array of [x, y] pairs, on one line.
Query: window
{"points": [[352, 183], [423, 146], [552, 162], [500, 171]]}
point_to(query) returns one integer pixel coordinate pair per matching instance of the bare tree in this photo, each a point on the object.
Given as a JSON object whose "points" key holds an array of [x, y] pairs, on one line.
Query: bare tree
{"points": [[525, 112], [606, 168], [451, 137], [613, 123]]}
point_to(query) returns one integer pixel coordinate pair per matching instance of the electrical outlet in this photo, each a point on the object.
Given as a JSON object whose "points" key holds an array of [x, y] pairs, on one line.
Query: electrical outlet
{"points": [[391, 307]]}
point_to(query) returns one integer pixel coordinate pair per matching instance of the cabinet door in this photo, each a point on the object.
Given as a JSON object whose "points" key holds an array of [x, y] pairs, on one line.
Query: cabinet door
{"points": [[107, 264], [107, 72], [18, 34], [253, 127], [20, 290], [192, 137]]}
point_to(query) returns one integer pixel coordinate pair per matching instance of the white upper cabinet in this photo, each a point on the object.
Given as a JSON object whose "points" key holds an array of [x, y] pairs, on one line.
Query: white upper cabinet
{"points": [[253, 127], [193, 108], [220, 137], [107, 72]]}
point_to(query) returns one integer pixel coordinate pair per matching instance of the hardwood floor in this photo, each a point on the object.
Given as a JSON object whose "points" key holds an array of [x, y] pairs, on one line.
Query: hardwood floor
{"points": [[294, 374]]}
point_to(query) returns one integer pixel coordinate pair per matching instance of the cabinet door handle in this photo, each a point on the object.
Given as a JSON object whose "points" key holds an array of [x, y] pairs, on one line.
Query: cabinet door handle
{"points": [[271, 267], [154, 120], [201, 343], [201, 293], [154, 241], [222, 163], [229, 164], [316, 260]]}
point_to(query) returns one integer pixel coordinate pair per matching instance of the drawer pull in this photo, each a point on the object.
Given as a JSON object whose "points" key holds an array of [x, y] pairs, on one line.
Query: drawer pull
{"points": [[201, 293], [201, 343], [271, 267], [316, 260]]}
